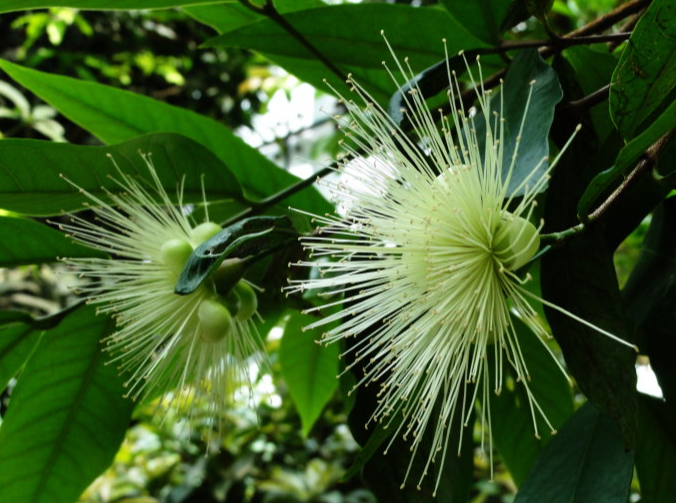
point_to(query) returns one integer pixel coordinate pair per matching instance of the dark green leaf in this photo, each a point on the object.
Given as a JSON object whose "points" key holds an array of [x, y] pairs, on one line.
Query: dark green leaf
{"points": [[309, 369], [350, 35], [533, 146], [649, 296], [646, 73], [656, 450], [579, 277], [66, 418], [26, 241], [17, 340], [627, 157], [12, 5], [30, 171], [482, 18], [114, 115], [242, 240], [513, 432], [586, 462]]}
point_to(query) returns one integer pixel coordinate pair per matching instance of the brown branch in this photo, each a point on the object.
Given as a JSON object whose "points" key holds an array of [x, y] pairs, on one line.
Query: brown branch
{"points": [[598, 96], [607, 21]]}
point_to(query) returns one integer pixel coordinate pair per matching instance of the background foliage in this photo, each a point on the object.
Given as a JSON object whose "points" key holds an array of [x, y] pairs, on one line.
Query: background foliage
{"points": [[214, 89]]}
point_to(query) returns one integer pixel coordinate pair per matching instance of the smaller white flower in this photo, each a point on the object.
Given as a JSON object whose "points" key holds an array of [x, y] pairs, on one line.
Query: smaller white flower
{"points": [[198, 345]]}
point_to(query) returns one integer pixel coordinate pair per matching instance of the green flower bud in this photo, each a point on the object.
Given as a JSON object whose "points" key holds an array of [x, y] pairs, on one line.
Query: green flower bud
{"points": [[175, 253], [215, 321], [516, 241], [203, 232], [247, 301]]}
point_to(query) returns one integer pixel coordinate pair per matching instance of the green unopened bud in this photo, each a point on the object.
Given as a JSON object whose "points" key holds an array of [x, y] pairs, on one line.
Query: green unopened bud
{"points": [[175, 253], [516, 241], [247, 301], [203, 232], [215, 321]]}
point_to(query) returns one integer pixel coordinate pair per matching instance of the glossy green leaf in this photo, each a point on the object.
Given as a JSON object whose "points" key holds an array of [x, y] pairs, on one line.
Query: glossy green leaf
{"points": [[228, 16], [114, 115], [12, 5], [533, 146], [17, 340], [482, 18], [350, 35], [309, 369], [579, 277], [30, 170], [66, 418], [627, 158], [646, 73], [26, 241], [242, 240], [585, 462], [513, 432], [656, 450]]}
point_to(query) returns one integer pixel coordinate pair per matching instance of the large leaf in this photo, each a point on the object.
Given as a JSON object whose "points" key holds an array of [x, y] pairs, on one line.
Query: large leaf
{"points": [[114, 115], [30, 170], [309, 369], [656, 451], [585, 462], [350, 35], [646, 73], [533, 144], [17, 340], [579, 277], [513, 433], [649, 297], [66, 418], [26, 241], [482, 18], [12, 5]]}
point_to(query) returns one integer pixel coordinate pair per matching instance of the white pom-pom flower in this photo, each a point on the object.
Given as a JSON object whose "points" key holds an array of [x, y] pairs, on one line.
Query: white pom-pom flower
{"points": [[187, 349], [423, 255]]}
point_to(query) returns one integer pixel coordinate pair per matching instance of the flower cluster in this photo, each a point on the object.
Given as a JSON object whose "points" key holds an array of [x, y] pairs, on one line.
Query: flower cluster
{"points": [[424, 255], [184, 348]]}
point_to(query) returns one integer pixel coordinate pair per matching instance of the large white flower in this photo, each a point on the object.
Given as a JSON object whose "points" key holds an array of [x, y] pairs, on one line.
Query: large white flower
{"points": [[185, 348], [423, 257]]}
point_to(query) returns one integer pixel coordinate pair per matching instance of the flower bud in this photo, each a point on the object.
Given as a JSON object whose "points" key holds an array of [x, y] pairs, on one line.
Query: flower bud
{"points": [[215, 321], [247, 301], [175, 253], [203, 232], [516, 241]]}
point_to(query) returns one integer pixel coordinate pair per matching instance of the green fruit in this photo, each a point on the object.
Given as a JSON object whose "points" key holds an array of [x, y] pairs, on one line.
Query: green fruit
{"points": [[215, 321]]}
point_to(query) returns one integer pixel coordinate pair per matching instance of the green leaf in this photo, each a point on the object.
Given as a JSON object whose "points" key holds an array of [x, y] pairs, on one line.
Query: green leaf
{"points": [[26, 241], [646, 73], [227, 16], [114, 115], [309, 369], [482, 18], [30, 170], [656, 450], [12, 5], [586, 462], [650, 295], [17, 341], [533, 146], [579, 277], [242, 240], [347, 35], [627, 157], [513, 433], [66, 418]]}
